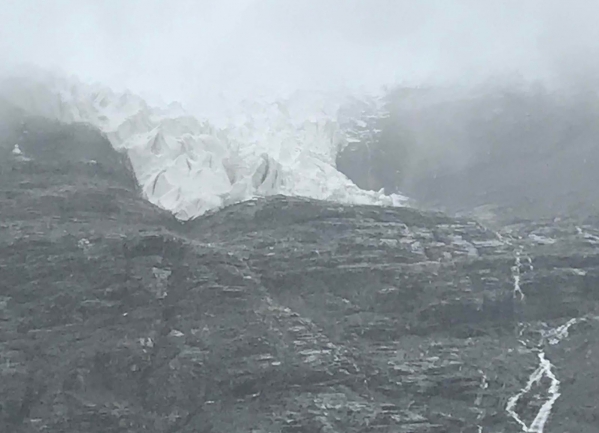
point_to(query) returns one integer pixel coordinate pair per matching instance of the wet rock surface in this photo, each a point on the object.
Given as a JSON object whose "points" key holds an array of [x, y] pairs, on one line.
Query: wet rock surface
{"points": [[281, 314]]}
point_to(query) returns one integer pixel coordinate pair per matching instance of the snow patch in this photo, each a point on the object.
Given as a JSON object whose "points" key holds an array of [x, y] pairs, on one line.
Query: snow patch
{"points": [[555, 335], [587, 236], [543, 240]]}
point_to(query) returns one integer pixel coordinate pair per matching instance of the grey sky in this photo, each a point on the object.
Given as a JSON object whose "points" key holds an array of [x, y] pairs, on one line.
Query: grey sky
{"points": [[193, 50]]}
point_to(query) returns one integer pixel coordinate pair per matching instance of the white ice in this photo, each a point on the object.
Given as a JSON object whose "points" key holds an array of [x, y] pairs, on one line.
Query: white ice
{"points": [[188, 165]]}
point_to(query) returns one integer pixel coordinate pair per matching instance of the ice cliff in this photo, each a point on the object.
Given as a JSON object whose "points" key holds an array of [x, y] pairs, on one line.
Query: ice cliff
{"points": [[189, 166]]}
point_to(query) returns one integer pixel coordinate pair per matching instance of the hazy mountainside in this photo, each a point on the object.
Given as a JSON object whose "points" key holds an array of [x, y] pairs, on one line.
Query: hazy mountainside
{"points": [[279, 314], [188, 165], [374, 157], [522, 150]]}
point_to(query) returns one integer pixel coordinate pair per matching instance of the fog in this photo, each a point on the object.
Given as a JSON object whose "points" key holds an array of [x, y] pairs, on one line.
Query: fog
{"points": [[491, 102], [196, 51]]}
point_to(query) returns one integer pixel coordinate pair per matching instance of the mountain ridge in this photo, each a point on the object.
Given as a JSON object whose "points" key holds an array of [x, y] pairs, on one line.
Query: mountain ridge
{"points": [[279, 314]]}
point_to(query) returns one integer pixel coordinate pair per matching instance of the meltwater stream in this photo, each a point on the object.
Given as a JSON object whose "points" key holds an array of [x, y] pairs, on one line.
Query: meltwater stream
{"points": [[545, 369]]}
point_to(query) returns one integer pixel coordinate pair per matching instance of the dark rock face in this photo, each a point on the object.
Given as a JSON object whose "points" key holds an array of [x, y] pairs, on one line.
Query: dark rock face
{"points": [[517, 149], [281, 315]]}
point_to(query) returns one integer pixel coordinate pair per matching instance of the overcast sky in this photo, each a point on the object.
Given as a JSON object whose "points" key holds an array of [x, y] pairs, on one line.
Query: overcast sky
{"points": [[191, 50]]}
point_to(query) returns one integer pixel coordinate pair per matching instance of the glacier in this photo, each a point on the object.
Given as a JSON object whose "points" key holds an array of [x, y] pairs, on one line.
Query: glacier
{"points": [[189, 165]]}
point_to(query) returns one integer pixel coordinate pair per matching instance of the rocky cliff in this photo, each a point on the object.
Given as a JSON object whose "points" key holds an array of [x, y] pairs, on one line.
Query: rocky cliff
{"points": [[281, 314], [505, 149]]}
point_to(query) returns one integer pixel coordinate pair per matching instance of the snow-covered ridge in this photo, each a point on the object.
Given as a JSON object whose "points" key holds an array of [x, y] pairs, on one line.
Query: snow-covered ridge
{"points": [[189, 166]]}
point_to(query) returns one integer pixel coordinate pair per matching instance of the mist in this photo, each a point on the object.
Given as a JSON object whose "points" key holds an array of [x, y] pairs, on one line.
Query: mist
{"points": [[489, 101], [198, 52]]}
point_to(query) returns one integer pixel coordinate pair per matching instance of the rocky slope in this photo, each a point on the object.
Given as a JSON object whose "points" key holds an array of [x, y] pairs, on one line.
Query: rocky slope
{"points": [[280, 314]]}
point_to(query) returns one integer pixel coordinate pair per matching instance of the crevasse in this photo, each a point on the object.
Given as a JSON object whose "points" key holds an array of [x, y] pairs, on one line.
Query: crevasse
{"points": [[189, 166]]}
